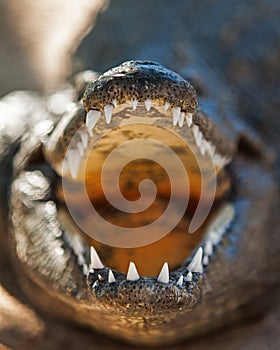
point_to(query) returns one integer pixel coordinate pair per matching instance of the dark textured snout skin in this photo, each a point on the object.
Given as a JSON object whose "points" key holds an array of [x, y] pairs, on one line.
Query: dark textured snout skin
{"points": [[140, 80]]}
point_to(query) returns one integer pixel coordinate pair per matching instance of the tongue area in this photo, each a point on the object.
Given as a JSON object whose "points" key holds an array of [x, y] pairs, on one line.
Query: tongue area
{"points": [[143, 152], [173, 248], [130, 177]]}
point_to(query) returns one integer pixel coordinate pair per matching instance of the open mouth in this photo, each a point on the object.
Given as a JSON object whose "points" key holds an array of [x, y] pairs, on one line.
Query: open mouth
{"points": [[145, 113], [141, 213]]}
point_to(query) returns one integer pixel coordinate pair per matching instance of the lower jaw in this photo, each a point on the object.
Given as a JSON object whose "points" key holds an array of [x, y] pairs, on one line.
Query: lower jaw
{"points": [[174, 248], [233, 269]]}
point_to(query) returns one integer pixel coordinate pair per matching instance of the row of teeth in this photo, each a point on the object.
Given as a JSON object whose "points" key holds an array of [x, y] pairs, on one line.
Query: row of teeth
{"points": [[178, 116], [74, 155], [133, 275], [207, 147], [213, 236]]}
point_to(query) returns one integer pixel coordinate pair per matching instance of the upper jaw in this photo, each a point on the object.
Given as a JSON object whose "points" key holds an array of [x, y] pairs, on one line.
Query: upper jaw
{"points": [[167, 292], [141, 81], [138, 87]]}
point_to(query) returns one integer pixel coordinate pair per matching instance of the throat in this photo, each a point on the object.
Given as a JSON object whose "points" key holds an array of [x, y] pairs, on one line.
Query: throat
{"points": [[147, 181], [172, 248]]}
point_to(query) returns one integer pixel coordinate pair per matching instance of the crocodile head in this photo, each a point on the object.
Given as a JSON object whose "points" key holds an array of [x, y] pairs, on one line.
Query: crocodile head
{"points": [[147, 262]]}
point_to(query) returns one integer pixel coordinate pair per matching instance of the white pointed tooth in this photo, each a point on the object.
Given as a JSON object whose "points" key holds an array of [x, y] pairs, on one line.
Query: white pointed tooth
{"points": [[211, 149], [205, 260], [176, 115], [108, 111], [84, 138], [189, 119], [132, 274], [195, 131], [215, 237], [216, 159], [92, 118], [163, 276], [85, 270], [203, 146], [114, 102], [219, 224], [134, 103], [166, 105], [65, 166], [111, 277], [206, 146], [95, 262], [148, 104], [208, 248], [180, 281], [77, 244], [73, 157], [199, 139], [189, 276], [181, 119], [80, 148], [220, 161], [196, 263], [100, 278]]}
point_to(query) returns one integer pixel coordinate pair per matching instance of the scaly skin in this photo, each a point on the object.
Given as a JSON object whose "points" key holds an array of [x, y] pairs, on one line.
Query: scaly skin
{"points": [[257, 104], [235, 277]]}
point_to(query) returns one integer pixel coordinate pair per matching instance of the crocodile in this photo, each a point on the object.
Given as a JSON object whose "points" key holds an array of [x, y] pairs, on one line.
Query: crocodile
{"points": [[140, 285], [221, 274]]}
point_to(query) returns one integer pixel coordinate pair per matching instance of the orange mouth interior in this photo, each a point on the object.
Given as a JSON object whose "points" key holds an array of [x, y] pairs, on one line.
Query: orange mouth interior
{"points": [[176, 246]]}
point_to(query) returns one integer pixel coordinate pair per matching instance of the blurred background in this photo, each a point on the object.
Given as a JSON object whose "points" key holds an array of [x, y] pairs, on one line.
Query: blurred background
{"points": [[42, 43]]}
